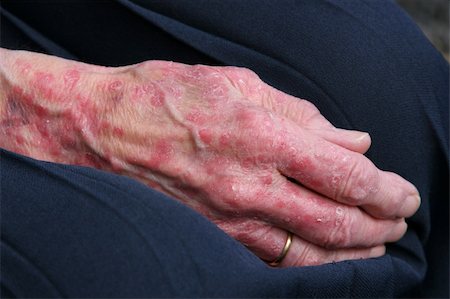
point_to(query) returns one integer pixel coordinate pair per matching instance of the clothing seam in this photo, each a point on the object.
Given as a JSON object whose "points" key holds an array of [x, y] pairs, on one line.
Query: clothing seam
{"points": [[36, 36]]}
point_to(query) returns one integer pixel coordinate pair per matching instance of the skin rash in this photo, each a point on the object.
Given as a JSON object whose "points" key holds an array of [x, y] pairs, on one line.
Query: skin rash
{"points": [[255, 161]]}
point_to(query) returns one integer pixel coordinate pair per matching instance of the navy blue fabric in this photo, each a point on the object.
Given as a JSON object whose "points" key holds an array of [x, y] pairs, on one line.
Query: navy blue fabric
{"points": [[79, 232]]}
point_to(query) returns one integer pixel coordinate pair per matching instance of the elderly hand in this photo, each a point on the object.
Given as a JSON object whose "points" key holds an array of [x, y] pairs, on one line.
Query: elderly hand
{"points": [[255, 161]]}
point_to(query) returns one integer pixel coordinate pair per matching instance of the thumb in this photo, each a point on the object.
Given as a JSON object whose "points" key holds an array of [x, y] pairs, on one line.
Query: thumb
{"points": [[301, 112], [306, 115], [356, 141]]}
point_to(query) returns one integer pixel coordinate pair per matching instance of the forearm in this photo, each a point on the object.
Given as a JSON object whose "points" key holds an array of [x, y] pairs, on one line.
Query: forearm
{"points": [[41, 105], [64, 111], [50, 108]]}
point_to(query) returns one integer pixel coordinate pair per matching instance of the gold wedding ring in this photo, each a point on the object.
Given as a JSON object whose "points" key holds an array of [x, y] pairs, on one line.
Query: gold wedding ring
{"points": [[283, 253]]}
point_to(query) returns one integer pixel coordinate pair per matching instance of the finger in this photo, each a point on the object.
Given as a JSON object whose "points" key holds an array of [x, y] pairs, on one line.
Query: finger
{"points": [[380, 206], [346, 176], [264, 240], [322, 221], [267, 242], [303, 253]]}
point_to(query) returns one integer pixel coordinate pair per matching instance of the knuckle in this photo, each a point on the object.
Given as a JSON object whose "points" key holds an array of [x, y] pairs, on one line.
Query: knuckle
{"points": [[256, 123], [398, 193], [220, 195], [339, 235], [248, 73], [237, 74], [246, 231], [245, 80], [309, 109], [359, 181], [303, 255], [261, 238], [234, 198], [247, 117]]}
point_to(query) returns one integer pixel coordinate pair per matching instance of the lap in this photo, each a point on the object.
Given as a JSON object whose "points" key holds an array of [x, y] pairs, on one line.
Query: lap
{"points": [[77, 232], [80, 232]]}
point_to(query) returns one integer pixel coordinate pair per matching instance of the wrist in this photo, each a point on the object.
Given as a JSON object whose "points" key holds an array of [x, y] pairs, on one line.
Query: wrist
{"points": [[134, 129], [40, 102]]}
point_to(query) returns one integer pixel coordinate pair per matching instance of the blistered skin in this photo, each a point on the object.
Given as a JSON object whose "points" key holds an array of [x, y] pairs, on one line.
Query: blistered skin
{"points": [[252, 159]]}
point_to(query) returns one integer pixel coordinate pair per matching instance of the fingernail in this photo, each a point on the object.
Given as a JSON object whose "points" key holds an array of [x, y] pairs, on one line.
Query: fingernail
{"points": [[414, 201], [362, 137], [417, 199]]}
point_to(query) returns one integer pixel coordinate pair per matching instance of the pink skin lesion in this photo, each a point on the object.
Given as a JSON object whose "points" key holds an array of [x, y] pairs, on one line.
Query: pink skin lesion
{"points": [[40, 111], [215, 164], [303, 164], [107, 128], [43, 82], [71, 78], [115, 90], [280, 204], [162, 153], [148, 93], [45, 142], [19, 94], [195, 73], [157, 100], [68, 141], [104, 127], [15, 113], [206, 136], [115, 86], [225, 140], [141, 91], [51, 138], [89, 159], [18, 99], [316, 184], [23, 66], [118, 132], [20, 140], [265, 180], [215, 92], [246, 117], [172, 89], [36, 124], [196, 117]]}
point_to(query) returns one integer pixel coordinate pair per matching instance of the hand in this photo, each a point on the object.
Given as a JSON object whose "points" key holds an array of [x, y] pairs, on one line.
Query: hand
{"points": [[255, 161]]}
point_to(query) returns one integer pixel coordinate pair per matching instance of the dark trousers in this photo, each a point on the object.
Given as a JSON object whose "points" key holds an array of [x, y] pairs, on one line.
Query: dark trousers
{"points": [[79, 232]]}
